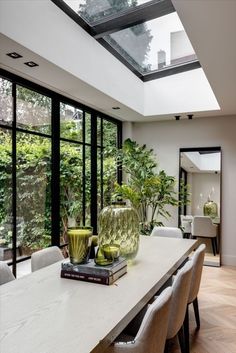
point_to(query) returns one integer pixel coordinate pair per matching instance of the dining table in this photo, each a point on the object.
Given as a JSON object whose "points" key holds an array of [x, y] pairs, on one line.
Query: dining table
{"points": [[44, 313]]}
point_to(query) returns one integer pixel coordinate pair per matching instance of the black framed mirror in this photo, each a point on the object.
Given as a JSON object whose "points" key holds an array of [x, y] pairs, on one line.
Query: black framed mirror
{"points": [[201, 170]]}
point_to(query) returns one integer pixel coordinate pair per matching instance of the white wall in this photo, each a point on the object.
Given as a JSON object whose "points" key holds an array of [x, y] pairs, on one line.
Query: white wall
{"points": [[167, 137]]}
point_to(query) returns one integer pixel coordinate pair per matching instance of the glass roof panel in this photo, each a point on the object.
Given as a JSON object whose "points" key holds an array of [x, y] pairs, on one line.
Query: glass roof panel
{"points": [[97, 10], [154, 45]]}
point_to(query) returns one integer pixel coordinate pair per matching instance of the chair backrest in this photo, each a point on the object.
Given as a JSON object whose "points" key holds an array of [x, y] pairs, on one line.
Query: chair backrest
{"points": [[151, 336], [45, 257], [5, 273], [197, 260], [186, 222], [202, 226], [180, 294], [169, 232]]}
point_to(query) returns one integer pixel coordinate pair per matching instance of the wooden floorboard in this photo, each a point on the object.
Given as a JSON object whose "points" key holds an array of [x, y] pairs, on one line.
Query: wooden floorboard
{"points": [[217, 305]]}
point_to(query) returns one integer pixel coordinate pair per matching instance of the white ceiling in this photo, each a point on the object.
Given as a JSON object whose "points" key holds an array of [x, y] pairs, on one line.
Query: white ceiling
{"points": [[194, 162], [211, 27]]}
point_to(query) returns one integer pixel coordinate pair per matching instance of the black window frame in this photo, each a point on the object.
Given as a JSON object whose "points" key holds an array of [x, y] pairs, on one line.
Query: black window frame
{"points": [[56, 99]]}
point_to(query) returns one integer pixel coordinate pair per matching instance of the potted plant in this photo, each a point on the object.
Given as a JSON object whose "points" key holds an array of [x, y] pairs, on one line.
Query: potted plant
{"points": [[149, 191]]}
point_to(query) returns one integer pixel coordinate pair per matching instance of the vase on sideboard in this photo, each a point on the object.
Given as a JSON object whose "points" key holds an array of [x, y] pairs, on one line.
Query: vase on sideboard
{"points": [[210, 208]]}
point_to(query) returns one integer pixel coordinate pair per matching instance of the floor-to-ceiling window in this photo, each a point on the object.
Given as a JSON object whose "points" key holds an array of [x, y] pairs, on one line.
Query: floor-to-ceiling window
{"points": [[56, 168]]}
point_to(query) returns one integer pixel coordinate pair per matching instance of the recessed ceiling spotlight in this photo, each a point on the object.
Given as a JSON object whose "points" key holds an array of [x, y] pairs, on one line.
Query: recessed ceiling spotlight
{"points": [[177, 117], [190, 116], [14, 55], [31, 64], [116, 108]]}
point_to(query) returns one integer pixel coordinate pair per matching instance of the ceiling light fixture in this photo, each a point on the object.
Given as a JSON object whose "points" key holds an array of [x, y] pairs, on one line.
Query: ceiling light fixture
{"points": [[177, 117], [190, 116], [14, 55], [116, 108], [31, 64]]}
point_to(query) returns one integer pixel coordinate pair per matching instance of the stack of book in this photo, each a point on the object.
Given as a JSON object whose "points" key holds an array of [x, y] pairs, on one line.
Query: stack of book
{"points": [[91, 272]]}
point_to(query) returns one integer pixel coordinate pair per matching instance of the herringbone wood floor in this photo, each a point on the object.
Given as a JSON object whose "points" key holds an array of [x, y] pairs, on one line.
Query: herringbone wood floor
{"points": [[217, 305]]}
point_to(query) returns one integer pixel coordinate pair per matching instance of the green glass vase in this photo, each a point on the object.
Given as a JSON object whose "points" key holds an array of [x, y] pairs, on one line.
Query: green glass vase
{"points": [[210, 209], [119, 224], [79, 240]]}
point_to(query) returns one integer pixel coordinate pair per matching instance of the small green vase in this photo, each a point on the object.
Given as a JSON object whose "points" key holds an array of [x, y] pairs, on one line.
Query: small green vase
{"points": [[80, 240], [119, 224]]}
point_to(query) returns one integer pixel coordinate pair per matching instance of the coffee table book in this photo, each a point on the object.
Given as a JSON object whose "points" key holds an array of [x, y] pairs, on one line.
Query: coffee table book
{"points": [[91, 272]]}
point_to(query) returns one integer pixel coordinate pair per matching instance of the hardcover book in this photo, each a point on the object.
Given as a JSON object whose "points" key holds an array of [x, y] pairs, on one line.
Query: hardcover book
{"points": [[91, 272], [94, 278]]}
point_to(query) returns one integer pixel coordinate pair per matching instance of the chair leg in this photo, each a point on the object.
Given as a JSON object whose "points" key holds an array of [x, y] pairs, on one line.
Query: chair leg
{"points": [[213, 246], [216, 245], [186, 330], [181, 340], [196, 312]]}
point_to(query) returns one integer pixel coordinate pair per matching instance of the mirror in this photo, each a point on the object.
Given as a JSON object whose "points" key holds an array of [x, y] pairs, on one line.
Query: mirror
{"points": [[200, 169]]}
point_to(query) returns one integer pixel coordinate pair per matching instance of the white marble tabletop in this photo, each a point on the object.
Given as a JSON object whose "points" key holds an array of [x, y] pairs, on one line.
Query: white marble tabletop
{"points": [[43, 313]]}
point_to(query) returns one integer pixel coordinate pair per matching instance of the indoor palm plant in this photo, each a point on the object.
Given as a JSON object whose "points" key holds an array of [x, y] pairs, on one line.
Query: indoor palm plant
{"points": [[149, 191]]}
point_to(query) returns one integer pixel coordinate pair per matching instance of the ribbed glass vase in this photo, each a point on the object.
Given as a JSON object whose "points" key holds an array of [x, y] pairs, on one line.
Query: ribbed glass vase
{"points": [[119, 224], [210, 209]]}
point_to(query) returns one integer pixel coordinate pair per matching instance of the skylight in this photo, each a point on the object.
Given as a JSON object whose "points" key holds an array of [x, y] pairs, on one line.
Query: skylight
{"points": [[97, 10], [147, 36], [154, 45]]}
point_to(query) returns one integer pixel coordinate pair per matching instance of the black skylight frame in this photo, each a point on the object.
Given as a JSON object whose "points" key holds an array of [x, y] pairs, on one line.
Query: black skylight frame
{"points": [[134, 16]]}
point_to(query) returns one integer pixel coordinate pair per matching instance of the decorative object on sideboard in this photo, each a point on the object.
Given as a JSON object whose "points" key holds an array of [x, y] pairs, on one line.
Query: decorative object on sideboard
{"points": [[210, 208]]}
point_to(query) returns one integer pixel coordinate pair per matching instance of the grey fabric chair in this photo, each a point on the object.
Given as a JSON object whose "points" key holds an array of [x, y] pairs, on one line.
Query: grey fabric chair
{"points": [[180, 295], [197, 260], [45, 257], [5, 273], [151, 335], [170, 232]]}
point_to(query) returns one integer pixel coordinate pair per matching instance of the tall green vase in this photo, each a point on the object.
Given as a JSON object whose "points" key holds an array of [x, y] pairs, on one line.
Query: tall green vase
{"points": [[119, 224]]}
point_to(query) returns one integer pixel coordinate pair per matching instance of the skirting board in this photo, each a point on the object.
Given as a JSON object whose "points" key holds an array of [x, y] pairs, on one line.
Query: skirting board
{"points": [[228, 260]]}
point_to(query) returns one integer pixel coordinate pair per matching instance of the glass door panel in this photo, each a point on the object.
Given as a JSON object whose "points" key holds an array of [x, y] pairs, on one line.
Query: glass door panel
{"points": [[33, 110], [71, 186], [71, 122], [5, 195], [33, 178], [5, 102], [87, 185]]}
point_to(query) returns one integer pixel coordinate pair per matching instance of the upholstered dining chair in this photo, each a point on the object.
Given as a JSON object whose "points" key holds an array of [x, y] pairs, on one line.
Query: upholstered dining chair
{"points": [[151, 335], [45, 257], [170, 232], [197, 261], [179, 300], [186, 224], [5, 273], [202, 227]]}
